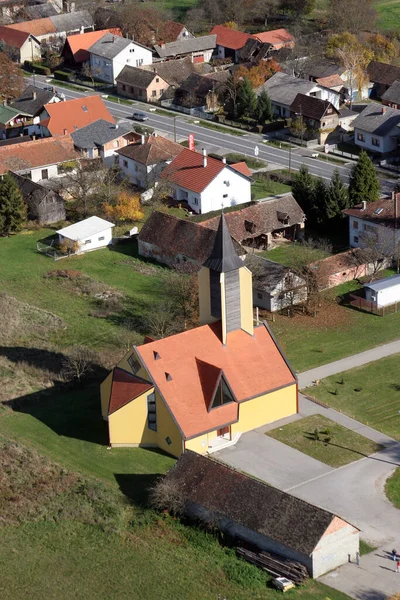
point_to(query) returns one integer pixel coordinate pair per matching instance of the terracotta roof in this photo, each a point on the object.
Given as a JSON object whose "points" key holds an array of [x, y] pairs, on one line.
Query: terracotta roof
{"points": [[193, 356], [276, 37], [79, 43], [187, 170], [310, 107], [382, 73], [240, 498], [37, 153], [242, 168], [331, 81], [124, 388], [230, 38], [155, 150], [374, 214], [73, 114], [337, 263], [36, 26], [258, 219], [12, 37], [170, 31]]}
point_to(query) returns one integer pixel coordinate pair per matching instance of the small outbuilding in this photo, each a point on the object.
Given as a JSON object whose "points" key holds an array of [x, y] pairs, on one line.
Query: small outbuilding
{"points": [[383, 292], [44, 205], [89, 234], [253, 512]]}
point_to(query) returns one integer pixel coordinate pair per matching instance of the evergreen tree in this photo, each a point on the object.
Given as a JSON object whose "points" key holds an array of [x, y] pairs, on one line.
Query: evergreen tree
{"points": [[322, 209], [338, 193], [12, 207], [364, 183], [303, 190], [247, 99], [263, 110]]}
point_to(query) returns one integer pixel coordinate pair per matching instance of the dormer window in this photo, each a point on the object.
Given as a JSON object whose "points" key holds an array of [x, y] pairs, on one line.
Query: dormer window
{"points": [[156, 355], [84, 108], [168, 377], [134, 364], [222, 395]]}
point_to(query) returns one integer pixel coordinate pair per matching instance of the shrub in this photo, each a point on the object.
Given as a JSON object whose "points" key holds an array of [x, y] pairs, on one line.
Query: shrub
{"points": [[244, 574], [39, 69], [78, 364], [167, 495], [62, 75]]}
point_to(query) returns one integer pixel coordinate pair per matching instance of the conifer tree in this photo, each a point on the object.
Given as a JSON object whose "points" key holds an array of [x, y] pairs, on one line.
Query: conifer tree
{"points": [[338, 193], [322, 209], [303, 189], [247, 99], [12, 207], [263, 110], [364, 183]]}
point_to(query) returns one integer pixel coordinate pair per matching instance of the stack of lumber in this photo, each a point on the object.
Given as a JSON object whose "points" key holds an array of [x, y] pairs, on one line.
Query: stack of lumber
{"points": [[277, 567]]}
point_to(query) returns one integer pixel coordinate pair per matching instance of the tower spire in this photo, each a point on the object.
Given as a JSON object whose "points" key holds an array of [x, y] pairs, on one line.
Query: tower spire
{"points": [[223, 257]]}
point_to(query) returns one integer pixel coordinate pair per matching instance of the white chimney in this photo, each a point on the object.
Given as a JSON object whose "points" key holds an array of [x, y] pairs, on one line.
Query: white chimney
{"points": [[224, 160], [142, 139], [364, 205], [65, 131], [204, 157], [383, 109], [33, 95], [155, 134]]}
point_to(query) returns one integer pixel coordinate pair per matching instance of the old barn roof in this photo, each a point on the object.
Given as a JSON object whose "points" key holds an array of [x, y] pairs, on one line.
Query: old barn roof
{"points": [[154, 150], [382, 73], [135, 76], [195, 44], [250, 502], [392, 94], [276, 37], [230, 38], [267, 274], [36, 153]]}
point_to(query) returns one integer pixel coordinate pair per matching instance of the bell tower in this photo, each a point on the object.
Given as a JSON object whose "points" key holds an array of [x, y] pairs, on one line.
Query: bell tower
{"points": [[225, 287]]}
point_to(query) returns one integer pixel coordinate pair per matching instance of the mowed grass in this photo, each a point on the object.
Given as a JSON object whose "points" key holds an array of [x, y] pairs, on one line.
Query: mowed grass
{"points": [[264, 187], [388, 14], [370, 394], [392, 488], [285, 252], [337, 447]]}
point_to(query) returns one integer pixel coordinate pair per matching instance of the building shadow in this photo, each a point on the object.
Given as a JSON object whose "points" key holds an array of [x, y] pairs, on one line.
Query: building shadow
{"points": [[137, 487]]}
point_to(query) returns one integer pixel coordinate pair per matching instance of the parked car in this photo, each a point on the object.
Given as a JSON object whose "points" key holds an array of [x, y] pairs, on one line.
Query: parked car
{"points": [[283, 584], [140, 116]]}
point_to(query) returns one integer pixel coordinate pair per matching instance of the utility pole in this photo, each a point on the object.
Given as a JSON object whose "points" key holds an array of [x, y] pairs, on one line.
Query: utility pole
{"points": [[175, 117], [33, 68], [290, 158], [396, 245]]}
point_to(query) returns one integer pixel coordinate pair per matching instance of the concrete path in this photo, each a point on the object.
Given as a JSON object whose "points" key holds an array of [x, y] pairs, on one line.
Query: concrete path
{"points": [[308, 377]]}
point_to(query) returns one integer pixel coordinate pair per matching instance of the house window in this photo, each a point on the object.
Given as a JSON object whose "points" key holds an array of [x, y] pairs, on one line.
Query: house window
{"points": [[168, 440], [151, 412], [101, 238], [134, 364], [222, 396], [132, 50], [88, 242], [45, 173], [116, 144], [157, 79], [355, 239], [124, 87], [375, 142], [225, 196], [154, 93], [196, 200], [161, 91], [360, 137], [355, 224], [125, 163], [139, 92]]}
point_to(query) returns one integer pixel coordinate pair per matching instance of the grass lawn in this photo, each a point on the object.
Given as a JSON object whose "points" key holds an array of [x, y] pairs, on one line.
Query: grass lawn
{"points": [[264, 187], [220, 128], [392, 488], [388, 14], [284, 253], [365, 548], [370, 394], [252, 163], [344, 446]]}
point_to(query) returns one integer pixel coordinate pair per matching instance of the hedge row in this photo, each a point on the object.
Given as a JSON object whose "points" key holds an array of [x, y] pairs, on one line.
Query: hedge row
{"points": [[39, 69], [62, 75]]}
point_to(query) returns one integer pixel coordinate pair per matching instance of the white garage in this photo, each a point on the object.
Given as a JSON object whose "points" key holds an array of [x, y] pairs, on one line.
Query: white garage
{"points": [[383, 292], [89, 234]]}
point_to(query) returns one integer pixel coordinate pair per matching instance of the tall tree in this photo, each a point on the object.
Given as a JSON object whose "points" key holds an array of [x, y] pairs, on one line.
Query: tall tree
{"points": [[264, 111], [303, 189], [322, 210], [12, 206], [11, 79], [338, 194], [384, 50], [298, 7], [351, 15], [247, 99], [364, 184], [141, 22]]}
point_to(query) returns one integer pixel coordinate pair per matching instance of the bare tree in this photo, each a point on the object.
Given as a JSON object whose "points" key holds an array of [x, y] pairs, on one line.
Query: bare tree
{"points": [[167, 495], [160, 320], [377, 248], [78, 364]]}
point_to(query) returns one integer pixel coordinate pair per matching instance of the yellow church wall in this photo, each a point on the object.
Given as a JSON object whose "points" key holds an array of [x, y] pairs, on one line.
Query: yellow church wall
{"points": [[105, 392], [246, 300], [200, 444], [124, 364], [166, 427], [266, 409], [128, 425]]}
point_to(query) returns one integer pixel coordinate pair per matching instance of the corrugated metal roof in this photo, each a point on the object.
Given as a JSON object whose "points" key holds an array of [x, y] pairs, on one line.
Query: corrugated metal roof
{"points": [[84, 229]]}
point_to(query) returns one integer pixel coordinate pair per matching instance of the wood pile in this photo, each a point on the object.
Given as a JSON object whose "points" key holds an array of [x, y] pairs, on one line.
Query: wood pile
{"points": [[277, 567]]}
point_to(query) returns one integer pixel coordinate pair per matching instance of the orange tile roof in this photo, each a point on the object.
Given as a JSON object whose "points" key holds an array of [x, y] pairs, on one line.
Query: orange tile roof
{"points": [[37, 153], [230, 38], [36, 26], [331, 81], [80, 43], [187, 170], [276, 37], [251, 365], [242, 168], [124, 388], [12, 37], [71, 115]]}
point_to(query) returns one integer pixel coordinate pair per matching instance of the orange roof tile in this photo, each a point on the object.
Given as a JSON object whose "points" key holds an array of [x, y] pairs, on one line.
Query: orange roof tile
{"points": [[36, 26], [230, 38], [251, 365], [80, 43], [125, 387], [37, 153], [67, 117], [331, 81], [276, 37], [242, 168]]}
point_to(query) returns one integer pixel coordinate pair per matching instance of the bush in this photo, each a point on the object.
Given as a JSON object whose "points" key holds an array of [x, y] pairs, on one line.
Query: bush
{"points": [[244, 574], [62, 75], [167, 495], [39, 69]]}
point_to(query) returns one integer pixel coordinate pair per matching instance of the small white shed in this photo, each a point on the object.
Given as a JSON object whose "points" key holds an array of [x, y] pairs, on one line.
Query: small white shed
{"points": [[383, 292], [89, 234]]}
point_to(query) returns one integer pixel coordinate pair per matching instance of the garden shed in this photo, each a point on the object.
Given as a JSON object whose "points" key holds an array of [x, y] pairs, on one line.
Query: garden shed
{"points": [[89, 234], [383, 292]]}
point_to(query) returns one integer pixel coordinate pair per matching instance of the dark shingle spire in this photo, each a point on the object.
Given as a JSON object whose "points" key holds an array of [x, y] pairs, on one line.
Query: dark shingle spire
{"points": [[223, 257]]}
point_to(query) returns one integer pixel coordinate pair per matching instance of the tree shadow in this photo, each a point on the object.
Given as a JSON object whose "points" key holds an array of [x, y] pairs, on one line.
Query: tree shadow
{"points": [[136, 486], [392, 449], [48, 360], [371, 595]]}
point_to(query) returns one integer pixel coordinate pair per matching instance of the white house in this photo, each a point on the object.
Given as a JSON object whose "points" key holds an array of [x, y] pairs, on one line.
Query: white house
{"points": [[111, 53], [377, 128], [380, 219], [384, 292], [206, 183], [20, 45], [89, 234]]}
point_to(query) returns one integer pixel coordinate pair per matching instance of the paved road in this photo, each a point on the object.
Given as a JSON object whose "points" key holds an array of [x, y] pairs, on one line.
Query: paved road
{"points": [[233, 143]]}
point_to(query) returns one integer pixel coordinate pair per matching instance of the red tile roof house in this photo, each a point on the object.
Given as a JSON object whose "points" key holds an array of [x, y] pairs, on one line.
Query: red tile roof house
{"points": [[57, 27], [278, 38], [173, 32], [20, 45], [206, 183], [75, 51], [37, 159], [229, 41], [66, 117]]}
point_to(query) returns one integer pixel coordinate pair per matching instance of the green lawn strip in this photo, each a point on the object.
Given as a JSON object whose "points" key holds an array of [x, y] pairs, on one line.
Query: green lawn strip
{"points": [[252, 163], [279, 144], [284, 253], [392, 488], [388, 14], [264, 187], [219, 128], [344, 446], [370, 394], [366, 548], [118, 100]]}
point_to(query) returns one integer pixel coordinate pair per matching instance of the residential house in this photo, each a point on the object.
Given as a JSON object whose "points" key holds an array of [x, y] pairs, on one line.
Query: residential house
{"points": [[58, 119], [44, 205], [253, 52], [384, 292], [277, 39], [346, 119], [261, 225], [143, 162], [382, 76], [199, 91], [76, 47], [32, 102], [274, 286], [377, 129], [331, 75], [378, 220], [140, 84], [110, 54], [54, 30], [254, 514], [229, 42], [12, 121], [319, 116], [206, 183], [392, 95], [38, 159], [202, 388], [174, 72], [20, 45], [90, 234], [171, 241], [102, 139], [172, 31], [283, 89], [198, 49]]}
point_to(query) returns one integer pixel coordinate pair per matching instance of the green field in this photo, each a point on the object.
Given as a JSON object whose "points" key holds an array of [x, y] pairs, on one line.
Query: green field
{"points": [[264, 187], [337, 448], [370, 394], [388, 14], [392, 488]]}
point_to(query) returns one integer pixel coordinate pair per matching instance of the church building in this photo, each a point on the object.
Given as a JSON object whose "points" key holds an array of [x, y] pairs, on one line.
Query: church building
{"points": [[201, 389]]}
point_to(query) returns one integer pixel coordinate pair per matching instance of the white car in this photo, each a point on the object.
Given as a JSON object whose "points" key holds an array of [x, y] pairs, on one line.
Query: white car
{"points": [[283, 584], [140, 116]]}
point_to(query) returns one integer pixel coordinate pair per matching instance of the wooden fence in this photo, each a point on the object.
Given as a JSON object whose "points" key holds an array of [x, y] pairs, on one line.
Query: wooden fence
{"points": [[371, 307]]}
